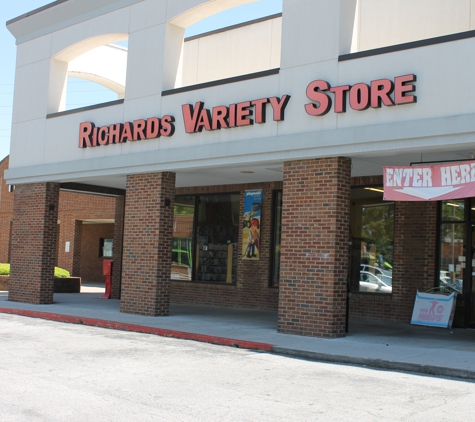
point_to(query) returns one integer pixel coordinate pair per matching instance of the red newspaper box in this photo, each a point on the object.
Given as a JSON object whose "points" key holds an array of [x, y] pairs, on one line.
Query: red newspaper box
{"points": [[107, 272]]}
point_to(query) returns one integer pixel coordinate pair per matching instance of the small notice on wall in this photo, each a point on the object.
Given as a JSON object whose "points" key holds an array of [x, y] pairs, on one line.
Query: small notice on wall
{"points": [[251, 231], [434, 310]]}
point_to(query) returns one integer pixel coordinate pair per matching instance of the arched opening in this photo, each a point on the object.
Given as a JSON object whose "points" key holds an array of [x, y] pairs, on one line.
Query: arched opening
{"points": [[90, 72], [97, 76]]}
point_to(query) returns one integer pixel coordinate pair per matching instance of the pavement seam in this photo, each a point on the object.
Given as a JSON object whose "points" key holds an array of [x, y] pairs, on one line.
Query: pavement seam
{"points": [[377, 363], [123, 326]]}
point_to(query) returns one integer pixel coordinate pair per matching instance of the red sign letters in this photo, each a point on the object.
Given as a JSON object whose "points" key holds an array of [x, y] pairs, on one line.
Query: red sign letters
{"points": [[246, 113], [92, 136], [198, 118], [361, 95]]}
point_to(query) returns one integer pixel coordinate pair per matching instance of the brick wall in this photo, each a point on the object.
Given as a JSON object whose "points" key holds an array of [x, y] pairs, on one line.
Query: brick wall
{"points": [[252, 285], [314, 260], [91, 262], [118, 247], [147, 252], [75, 207], [6, 214], [34, 238], [4, 282]]}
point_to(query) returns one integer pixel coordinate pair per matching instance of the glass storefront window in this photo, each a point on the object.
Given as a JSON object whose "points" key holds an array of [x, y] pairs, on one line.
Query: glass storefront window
{"points": [[277, 233], [183, 226], [205, 236], [453, 210], [372, 241], [217, 237], [452, 256]]}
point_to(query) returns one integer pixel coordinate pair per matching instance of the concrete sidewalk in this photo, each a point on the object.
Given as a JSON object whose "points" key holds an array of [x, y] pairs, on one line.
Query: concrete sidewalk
{"points": [[389, 346]]}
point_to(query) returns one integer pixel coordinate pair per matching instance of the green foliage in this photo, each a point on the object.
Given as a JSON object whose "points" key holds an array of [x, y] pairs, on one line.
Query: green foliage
{"points": [[61, 273], [58, 272], [4, 269], [453, 210], [378, 229]]}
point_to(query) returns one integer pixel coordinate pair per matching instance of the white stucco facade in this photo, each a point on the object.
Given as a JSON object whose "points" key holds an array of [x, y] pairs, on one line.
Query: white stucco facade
{"points": [[313, 40]]}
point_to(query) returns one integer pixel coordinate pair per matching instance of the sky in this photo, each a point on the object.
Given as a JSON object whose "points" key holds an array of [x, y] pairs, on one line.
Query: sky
{"points": [[80, 91]]}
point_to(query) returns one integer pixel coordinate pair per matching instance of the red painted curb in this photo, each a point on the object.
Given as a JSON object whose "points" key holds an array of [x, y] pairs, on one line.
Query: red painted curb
{"points": [[93, 322]]}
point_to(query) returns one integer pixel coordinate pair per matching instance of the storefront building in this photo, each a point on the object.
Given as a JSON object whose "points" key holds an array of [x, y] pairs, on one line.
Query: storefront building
{"points": [[85, 229], [248, 163]]}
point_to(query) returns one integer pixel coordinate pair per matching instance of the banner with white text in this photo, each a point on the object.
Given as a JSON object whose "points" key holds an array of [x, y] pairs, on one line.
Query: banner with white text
{"points": [[430, 183]]}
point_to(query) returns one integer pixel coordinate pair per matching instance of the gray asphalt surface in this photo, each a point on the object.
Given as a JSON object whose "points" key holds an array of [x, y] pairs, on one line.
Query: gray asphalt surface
{"points": [[59, 372]]}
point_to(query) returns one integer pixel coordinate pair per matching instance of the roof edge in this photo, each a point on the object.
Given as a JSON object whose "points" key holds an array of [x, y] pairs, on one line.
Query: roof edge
{"points": [[35, 11]]}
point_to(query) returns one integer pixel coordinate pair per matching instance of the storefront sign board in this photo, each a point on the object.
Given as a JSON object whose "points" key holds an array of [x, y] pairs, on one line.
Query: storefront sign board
{"points": [[434, 310], [430, 183]]}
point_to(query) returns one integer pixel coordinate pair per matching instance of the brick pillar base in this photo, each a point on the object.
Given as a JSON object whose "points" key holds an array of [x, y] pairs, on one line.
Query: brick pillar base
{"points": [[314, 252], [148, 234], [35, 232], [118, 245]]}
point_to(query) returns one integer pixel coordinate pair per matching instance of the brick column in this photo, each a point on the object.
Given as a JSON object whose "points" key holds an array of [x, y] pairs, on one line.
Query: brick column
{"points": [[34, 238], [314, 252], [76, 249], [148, 234], [415, 246], [118, 246]]}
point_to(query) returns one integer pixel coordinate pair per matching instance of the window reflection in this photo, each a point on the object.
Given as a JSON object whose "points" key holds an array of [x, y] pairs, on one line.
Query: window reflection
{"points": [[182, 250], [452, 257], [217, 237], [212, 255], [372, 241]]}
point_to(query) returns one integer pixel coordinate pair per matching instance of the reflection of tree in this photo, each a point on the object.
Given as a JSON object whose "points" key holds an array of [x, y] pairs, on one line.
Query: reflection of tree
{"points": [[184, 209], [378, 229], [453, 211]]}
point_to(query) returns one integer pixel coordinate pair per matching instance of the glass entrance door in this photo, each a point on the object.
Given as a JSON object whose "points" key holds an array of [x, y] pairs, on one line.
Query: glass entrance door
{"points": [[457, 257]]}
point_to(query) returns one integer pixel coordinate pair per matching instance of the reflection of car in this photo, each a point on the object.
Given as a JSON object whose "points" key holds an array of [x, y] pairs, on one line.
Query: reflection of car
{"points": [[370, 282], [445, 281], [384, 275], [376, 270]]}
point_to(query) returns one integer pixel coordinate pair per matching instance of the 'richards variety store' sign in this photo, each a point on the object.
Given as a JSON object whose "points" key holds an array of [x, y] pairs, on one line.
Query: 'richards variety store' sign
{"points": [[197, 118]]}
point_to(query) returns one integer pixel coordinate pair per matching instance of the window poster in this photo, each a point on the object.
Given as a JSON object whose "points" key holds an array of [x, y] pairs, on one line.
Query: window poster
{"points": [[252, 224]]}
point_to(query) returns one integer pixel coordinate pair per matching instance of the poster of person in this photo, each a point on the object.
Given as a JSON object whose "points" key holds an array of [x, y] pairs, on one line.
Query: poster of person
{"points": [[251, 227]]}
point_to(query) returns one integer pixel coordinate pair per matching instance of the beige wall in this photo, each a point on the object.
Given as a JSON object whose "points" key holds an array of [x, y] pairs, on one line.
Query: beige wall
{"points": [[239, 51], [381, 23]]}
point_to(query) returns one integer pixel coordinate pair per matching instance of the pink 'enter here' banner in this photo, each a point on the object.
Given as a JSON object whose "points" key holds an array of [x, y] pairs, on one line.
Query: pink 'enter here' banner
{"points": [[429, 183]]}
